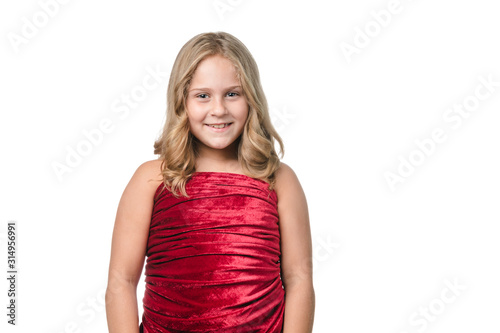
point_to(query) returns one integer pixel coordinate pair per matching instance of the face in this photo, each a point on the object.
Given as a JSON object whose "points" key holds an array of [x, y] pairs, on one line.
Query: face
{"points": [[215, 97]]}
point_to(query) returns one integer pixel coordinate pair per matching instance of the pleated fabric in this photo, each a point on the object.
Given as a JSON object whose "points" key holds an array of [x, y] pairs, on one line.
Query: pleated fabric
{"points": [[213, 260]]}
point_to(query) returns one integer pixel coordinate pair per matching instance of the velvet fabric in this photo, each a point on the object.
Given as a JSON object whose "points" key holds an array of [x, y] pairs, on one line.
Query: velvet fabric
{"points": [[213, 260]]}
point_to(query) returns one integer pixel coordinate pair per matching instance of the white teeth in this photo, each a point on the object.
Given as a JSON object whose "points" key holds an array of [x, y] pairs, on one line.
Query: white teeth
{"points": [[219, 126]]}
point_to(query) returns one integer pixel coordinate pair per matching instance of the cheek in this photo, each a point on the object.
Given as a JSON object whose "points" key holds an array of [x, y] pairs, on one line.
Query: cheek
{"points": [[245, 111], [194, 112]]}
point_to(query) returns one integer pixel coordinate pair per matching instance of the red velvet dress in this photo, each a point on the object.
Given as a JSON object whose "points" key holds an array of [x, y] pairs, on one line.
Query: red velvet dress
{"points": [[213, 260]]}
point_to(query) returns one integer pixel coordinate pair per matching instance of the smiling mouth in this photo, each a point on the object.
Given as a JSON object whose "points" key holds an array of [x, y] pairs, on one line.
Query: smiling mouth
{"points": [[219, 125]]}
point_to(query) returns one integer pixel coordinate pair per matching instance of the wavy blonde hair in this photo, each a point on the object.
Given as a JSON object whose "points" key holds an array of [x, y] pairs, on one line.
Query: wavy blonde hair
{"points": [[177, 146]]}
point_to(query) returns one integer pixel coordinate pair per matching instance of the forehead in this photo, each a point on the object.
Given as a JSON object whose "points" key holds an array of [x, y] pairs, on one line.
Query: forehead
{"points": [[215, 67]]}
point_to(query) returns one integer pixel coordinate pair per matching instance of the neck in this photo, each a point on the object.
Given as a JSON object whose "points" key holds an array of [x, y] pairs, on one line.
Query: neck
{"points": [[217, 159]]}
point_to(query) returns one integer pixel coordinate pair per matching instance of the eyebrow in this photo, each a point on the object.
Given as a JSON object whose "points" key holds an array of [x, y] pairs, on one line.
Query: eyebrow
{"points": [[208, 89]]}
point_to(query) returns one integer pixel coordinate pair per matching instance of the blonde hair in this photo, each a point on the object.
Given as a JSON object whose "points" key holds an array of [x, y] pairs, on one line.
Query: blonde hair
{"points": [[177, 145]]}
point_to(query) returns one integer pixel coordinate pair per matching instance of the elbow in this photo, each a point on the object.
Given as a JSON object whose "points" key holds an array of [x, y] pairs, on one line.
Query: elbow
{"points": [[298, 280], [118, 285], [303, 286]]}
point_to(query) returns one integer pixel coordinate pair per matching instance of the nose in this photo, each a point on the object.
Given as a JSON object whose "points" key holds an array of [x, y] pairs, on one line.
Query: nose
{"points": [[218, 106]]}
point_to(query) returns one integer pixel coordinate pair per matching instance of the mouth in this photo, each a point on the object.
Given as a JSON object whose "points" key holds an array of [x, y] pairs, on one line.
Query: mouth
{"points": [[219, 125]]}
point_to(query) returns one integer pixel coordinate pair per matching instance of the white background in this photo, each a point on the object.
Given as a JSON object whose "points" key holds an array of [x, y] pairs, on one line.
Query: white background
{"points": [[381, 254]]}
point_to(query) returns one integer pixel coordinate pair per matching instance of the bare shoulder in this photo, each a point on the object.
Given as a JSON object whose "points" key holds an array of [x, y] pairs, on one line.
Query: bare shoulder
{"points": [[151, 169], [148, 176], [286, 180]]}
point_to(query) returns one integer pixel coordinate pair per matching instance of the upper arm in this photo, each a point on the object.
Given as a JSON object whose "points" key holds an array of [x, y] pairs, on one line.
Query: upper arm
{"points": [[131, 229], [295, 231]]}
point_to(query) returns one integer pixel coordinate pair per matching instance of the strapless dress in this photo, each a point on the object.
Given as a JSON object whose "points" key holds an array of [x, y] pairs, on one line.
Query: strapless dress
{"points": [[213, 260]]}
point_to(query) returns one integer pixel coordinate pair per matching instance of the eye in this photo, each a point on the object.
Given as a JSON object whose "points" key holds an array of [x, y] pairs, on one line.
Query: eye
{"points": [[202, 96], [232, 94]]}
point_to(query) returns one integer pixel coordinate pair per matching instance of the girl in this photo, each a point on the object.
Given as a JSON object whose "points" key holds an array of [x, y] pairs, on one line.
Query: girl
{"points": [[224, 224]]}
